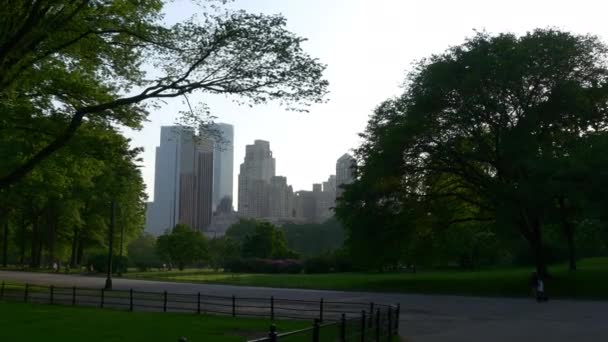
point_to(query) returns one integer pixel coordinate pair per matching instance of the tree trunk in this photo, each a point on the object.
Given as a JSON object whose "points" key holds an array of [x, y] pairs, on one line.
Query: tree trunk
{"points": [[568, 228], [34, 250], [5, 244], [80, 252], [537, 247], [22, 244], [531, 230], [73, 258], [52, 235]]}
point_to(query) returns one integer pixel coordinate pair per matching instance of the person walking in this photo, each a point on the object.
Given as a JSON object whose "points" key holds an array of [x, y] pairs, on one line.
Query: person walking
{"points": [[541, 296]]}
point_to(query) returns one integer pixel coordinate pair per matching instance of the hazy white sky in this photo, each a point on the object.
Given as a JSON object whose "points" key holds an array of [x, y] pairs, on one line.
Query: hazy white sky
{"points": [[368, 46]]}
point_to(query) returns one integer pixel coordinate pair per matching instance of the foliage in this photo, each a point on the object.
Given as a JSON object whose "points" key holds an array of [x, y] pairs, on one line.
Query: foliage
{"points": [[67, 63], [182, 246], [338, 261], [221, 250], [238, 231], [142, 252], [494, 134], [314, 239], [267, 241], [64, 207]]}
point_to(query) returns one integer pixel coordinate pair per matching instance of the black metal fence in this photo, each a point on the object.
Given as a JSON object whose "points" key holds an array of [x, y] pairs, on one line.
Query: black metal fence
{"points": [[379, 325], [329, 315]]}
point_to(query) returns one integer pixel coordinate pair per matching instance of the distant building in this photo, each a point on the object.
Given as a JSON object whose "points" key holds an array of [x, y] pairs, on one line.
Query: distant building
{"points": [[344, 172], [281, 198], [183, 181], [316, 205], [255, 174], [223, 164]]}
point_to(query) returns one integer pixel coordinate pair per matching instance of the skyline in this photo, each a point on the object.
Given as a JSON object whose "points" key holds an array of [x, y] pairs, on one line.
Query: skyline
{"points": [[368, 48]]}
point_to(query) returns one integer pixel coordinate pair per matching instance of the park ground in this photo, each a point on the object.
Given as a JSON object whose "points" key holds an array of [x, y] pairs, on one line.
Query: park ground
{"points": [[590, 281], [35, 322], [424, 317]]}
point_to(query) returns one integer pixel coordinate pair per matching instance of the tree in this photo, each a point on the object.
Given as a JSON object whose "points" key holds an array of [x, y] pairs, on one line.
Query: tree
{"points": [[142, 252], [222, 250], [64, 63], [267, 242], [483, 126], [64, 206], [182, 246], [240, 230], [314, 239]]}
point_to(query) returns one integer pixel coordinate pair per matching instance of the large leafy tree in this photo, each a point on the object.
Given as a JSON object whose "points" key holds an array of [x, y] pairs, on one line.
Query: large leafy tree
{"points": [[267, 241], [182, 246], [63, 63], [483, 127]]}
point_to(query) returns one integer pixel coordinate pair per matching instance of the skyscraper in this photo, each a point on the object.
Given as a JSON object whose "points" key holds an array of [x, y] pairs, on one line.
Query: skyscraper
{"points": [[281, 198], [223, 164], [254, 180], [344, 172], [183, 181]]}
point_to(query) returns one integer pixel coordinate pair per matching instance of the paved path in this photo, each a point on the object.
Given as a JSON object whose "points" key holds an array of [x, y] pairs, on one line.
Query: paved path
{"points": [[423, 317]]}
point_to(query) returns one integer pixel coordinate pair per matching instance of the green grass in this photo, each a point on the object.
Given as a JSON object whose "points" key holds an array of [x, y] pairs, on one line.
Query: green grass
{"points": [[31, 322], [589, 281]]}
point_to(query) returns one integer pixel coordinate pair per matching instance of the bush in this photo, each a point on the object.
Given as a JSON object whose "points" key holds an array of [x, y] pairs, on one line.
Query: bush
{"points": [[253, 265], [337, 261], [318, 264]]}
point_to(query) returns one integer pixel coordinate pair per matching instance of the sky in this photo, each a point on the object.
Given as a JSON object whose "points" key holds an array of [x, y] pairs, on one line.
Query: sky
{"points": [[368, 47]]}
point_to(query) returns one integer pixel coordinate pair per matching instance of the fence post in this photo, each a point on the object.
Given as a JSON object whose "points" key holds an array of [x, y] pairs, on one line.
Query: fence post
{"points": [[73, 295], [103, 291], [343, 328], [272, 308], [321, 310], [363, 324], [390, 322], [165, 301], [315, 330], [27, 288], [377, 325], [272, 334], [52, 290], [198, 303], [233, 306], [371, 315], [397, 314], [130, 299], [2, 290]]}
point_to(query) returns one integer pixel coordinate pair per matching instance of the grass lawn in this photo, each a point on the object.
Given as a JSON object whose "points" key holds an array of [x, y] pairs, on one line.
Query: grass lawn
{"points": [[589, 281], [31, 322]]}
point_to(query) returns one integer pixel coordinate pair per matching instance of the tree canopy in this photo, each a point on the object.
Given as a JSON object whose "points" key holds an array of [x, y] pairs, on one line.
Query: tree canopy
{"points": [[487, 132], [182, 246]]}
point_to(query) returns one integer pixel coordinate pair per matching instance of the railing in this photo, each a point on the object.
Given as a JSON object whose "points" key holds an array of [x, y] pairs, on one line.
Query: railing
{"points": [[328, 313], [381, 325]]}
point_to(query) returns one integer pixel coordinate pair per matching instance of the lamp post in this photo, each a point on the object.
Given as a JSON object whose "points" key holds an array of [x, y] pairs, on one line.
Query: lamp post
{"points": [[110, 246]]}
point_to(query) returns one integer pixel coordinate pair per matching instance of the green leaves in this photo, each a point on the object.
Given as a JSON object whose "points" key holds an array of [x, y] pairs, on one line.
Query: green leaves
{"points": [[182, 246], [87, 61], [482, 133]]}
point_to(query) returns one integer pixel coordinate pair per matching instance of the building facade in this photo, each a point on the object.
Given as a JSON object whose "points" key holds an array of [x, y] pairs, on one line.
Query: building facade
{"points": [[183, 181], [344, 172], [223, 164], [255, 174]]}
